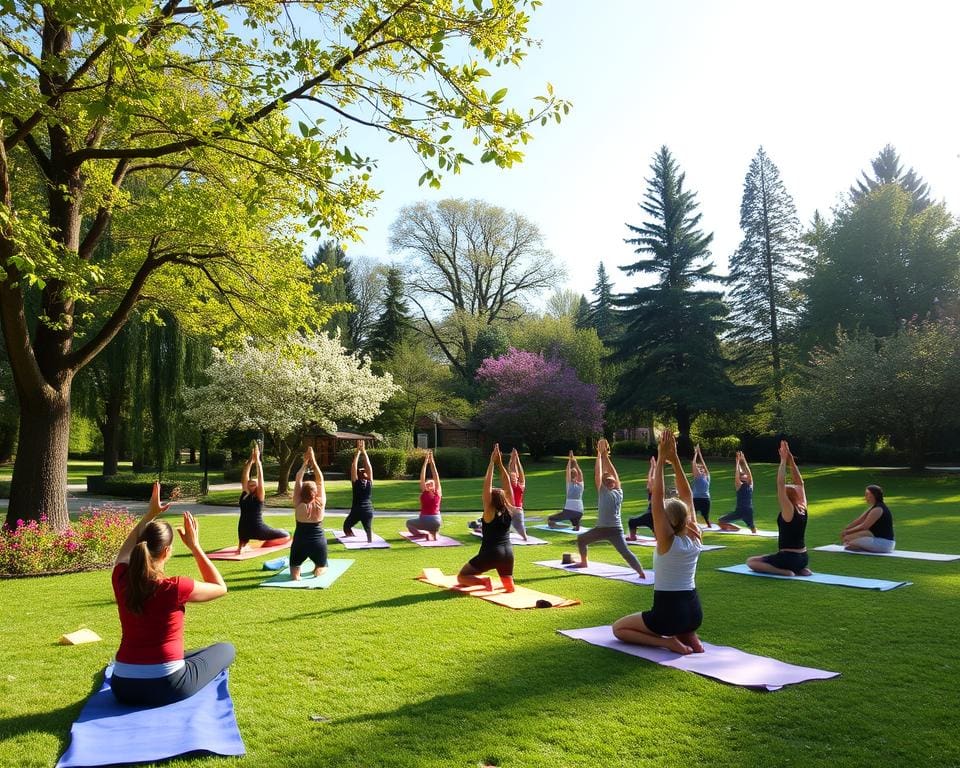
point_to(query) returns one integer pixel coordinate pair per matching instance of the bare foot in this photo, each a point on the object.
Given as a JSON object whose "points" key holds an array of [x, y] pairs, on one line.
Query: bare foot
{"points": [[727, 527], [487, 583], [576, 527], [641, 574], [347, 533], [805, 572], [677, 647], [691, 639], [581, 564], [551, 524], [632, 537], [319, 570], [753, 530]]}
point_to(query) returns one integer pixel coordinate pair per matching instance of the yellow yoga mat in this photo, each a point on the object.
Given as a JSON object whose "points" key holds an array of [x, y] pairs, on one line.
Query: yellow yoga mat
{"points": [[521, 597]]}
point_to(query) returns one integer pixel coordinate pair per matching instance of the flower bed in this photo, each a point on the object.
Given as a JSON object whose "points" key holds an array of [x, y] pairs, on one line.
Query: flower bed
{"points": [[92, 541]]}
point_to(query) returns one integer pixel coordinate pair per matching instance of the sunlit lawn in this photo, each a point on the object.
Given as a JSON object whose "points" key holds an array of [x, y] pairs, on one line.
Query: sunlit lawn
{"points": [[403, 674]]}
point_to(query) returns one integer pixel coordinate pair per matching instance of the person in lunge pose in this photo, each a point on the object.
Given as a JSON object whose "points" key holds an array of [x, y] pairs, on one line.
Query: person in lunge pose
{"points": [[518, 485], [361, 508], [151, 668], [743, 482], [251, 527], [646, 518], [609, 500], [676, 614], [573, 506], [428, 522], [791, 559], [701, 485], [496, 551], [873, 530], [309, 540]]}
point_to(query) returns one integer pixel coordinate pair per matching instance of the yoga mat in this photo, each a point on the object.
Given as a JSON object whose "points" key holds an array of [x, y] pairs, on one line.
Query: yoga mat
{"points": [[359, 541], [442, 541], [520, 598], [335, 569], [904, 553], [107, 732], [743, 532], [824, 578], [276, 565], [516, 540], [649, 541], [562, 529], [604, 571], [720, 662], [230, 553]]}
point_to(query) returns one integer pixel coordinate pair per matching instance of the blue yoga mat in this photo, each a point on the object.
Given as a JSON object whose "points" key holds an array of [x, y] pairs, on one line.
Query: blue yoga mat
{"points": [[107, 732], [335, 569], [823, 578]]}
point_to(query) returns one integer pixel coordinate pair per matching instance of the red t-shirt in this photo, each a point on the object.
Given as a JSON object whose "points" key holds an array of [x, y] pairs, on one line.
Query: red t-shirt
{"points": [[156, 635], [429, 503], [517, 494]]}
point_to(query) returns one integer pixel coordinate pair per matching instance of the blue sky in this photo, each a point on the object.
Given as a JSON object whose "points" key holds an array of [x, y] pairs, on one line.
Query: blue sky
{"points": [[822, 86]]}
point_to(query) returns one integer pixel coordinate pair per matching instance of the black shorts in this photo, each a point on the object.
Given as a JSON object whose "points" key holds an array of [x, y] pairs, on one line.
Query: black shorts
{"points": [[788, 561], [309, 542], [702, 505], [674, 613], [500, 557]]}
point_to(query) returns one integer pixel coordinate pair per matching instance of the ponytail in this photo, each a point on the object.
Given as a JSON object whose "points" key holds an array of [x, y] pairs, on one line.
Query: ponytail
{"points": [[145, 567]]}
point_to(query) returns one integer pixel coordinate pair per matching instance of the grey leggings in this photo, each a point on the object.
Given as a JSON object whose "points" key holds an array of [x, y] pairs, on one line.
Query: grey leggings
{"points": [[615, 537], [428, 523], [516, 519], [200, 667]]}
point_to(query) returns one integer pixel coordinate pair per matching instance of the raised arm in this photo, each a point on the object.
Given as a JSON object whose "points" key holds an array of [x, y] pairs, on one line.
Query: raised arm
{"points": [[699, 461], [261, 492], [786, 506], [488, 478], [154, 510], [798, 481], [356, 459], [736, 470], [570, 468], [598, 464], [652, 471], [608, 467], [212, 585], [366, 461], [311, 458], [522, 478], [661, 527], [423, 472], [245, 475], [436, 475], [298, 480], [746, 468]]}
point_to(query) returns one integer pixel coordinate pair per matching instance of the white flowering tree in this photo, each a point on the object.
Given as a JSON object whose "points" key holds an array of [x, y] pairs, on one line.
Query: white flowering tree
{"points": [[286, 389]]}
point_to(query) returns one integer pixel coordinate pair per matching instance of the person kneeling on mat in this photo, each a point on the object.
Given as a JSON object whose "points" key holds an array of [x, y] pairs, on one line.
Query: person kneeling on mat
{"points": [[151, 668], [792, 558], [427, 524], [251, 527], [676, 614], [309, 540], [573, 506], [496, 551]]}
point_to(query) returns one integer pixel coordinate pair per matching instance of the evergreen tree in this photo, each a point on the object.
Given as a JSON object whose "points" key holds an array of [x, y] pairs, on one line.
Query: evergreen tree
{"points": [[602, 311], [392, 325], [760, 270], [582, 319], [888, 170], [336, 290], [670, 344]]}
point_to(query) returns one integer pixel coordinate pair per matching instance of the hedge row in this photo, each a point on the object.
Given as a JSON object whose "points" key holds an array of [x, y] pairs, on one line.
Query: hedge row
{"points": [[387, 463], [271, 473], [133, 486]]}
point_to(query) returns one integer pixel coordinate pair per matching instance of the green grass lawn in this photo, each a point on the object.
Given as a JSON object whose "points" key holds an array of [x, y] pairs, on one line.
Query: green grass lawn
{"points": [[404, 674], [77, 469]]}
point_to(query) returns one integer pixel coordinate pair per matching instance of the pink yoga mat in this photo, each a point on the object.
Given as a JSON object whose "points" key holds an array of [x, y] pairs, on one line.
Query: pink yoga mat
{"points": [[230, 553], [442, 541], [720, 662]]}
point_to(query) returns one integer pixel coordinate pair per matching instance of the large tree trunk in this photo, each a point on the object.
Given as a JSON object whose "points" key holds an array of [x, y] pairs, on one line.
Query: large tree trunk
{"points": [[39, 484], [286, 456], [684, 421]]}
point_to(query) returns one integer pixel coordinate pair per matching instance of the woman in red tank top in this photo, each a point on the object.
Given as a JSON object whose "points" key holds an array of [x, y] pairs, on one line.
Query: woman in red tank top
{"points": [[427, 524], [518, 484]]}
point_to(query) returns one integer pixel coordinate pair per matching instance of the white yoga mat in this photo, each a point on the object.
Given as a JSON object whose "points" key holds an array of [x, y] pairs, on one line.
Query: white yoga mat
{"points": [[723, 663], [604, 571], [904, 553], [823, 578], [441, 540], [649, 541], [562, 529], [760, 534], [359, 541], [516, 540]]}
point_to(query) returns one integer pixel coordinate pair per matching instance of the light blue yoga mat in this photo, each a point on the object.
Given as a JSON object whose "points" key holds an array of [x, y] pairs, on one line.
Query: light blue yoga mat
{"points": [[823, 578], [109, 733], [335, 569], [276, 565]]}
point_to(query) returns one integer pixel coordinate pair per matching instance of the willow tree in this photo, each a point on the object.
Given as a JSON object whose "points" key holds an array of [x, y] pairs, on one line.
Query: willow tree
{"points": [[169, 124]]}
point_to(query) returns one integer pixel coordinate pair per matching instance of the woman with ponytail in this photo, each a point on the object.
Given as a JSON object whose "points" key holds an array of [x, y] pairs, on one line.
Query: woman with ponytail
{"points": [[151, 668]]}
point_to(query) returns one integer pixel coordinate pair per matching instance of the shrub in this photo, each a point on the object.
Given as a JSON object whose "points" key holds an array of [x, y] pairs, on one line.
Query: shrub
{"points": [[415, 461], [92, 541], [459, 462], [129, 485], [633, 448], [387, 463], [271, 473], [726, 446]]}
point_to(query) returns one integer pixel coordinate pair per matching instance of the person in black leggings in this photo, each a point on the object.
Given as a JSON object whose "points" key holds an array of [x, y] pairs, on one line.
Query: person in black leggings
{"points": [[361, 508], [496, 551], [309, 541], [250, 526], [646, 519]]}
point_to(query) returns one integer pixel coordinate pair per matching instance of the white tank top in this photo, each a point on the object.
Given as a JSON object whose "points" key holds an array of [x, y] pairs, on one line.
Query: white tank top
{"points": [[676, 570], [574, 502]]}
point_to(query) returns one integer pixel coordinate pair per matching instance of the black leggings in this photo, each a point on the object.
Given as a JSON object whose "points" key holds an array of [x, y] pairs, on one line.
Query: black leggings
{"points": [[309, 541], [362, 516], [645, 519], [200, 667], [702, 505]]}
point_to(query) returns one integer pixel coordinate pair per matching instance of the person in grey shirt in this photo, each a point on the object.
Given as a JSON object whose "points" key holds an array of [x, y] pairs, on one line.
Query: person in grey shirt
{"points": [[609, 500]]}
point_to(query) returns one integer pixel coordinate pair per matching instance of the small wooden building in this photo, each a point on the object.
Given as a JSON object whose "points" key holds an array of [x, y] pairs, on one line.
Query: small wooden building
{"points": [[326, 445], [447, 432]]}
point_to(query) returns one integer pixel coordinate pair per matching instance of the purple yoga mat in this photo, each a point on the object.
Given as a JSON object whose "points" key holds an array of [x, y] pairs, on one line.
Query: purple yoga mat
{"points": [[720, 662], [442, 541], [359, 541]]}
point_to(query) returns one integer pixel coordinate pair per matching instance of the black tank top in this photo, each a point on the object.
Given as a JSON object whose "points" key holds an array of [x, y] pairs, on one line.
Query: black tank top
{"points": [[251, 507], [883, 528], [362, 489], [497, 532], [791, 534]]}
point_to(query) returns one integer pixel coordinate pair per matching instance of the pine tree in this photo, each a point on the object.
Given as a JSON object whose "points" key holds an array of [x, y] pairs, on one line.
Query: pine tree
{"points": [[583, 314], [330, 257], [888, 170], [392, 325], [670, 344], [602, 311], [760, 270]]}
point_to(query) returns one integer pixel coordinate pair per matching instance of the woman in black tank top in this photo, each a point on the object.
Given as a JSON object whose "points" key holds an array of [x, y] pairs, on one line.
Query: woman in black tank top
{"points": [[873, 530], [496, 551], [792, 558]]}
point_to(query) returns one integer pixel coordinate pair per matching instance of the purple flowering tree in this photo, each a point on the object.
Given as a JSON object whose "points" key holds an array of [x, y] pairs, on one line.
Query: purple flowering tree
{"points": [[537, 398]]}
